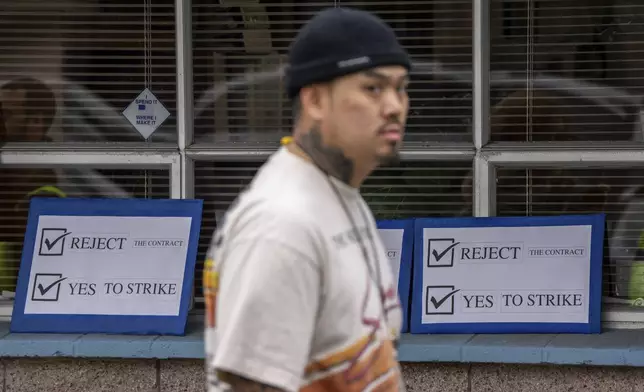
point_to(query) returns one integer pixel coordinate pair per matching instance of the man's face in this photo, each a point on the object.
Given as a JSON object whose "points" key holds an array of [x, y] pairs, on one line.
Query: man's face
{"points": [[19, 124], [366, 113]]}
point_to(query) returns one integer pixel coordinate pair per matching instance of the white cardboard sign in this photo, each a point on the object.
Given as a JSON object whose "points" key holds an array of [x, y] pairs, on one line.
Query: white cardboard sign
{"points": [[398, 239], [107, 265], [507, 275]]}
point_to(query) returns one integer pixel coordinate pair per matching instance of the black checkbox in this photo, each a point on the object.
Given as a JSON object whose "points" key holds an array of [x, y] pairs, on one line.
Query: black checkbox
{"points": [[439, 300], [52, 241], [46, 287], [440, 252]]}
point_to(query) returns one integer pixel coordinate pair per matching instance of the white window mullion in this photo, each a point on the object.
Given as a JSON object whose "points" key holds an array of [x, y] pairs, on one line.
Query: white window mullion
{"points": [[484, 187], [564, 157], [104, 159], [481, 72], [410, 152], [185, 106], [187, 177]]}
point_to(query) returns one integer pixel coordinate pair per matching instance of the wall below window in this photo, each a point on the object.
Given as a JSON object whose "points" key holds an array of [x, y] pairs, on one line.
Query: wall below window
{"points": [[72, 375]]}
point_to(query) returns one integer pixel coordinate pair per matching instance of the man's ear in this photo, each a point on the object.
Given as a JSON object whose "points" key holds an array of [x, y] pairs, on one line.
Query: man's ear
{"points": [[311, 102]]}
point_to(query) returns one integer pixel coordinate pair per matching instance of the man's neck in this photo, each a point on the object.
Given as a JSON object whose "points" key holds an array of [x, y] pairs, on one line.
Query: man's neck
{"points": [[329, 159]]}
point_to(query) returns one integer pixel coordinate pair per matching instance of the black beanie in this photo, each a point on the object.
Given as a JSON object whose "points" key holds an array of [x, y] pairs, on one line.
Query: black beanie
{"points": [[341, 41]]}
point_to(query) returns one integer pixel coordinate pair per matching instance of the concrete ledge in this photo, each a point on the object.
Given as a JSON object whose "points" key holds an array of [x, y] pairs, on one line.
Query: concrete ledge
{"points": [[102, 345], [611, 348]]}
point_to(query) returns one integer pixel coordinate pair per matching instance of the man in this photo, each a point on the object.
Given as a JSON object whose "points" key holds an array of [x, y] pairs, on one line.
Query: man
{"points": [[27, 110], [299, 292]]}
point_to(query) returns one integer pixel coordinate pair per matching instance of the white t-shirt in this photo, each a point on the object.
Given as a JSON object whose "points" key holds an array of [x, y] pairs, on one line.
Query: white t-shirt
{"points": [[290, 300]]}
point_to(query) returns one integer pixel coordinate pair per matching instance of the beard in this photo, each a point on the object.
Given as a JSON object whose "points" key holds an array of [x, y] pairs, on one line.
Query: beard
{"points": [[392, 158]]}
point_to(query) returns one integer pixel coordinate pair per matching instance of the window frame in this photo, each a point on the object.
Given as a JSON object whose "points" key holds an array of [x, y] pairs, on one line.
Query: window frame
{"points": [[56, 156], [490, 156], [485, 157], [538, 155]]}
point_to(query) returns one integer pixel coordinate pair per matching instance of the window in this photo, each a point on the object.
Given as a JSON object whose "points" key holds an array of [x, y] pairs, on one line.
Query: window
{"points": [[68, 69], [513, 18], [567, 79], [613, 191], [408, 190], [412, 189], [20, 183], [563, 100], [239, 47], [560, 74], [566, 70]]}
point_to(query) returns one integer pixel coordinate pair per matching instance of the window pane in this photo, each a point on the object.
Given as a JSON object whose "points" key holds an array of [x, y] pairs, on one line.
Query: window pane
{"points": [[420, 189], [574, 70], [411, 190], [19, 183], [233, 43], [616, 192], [69, 68]]}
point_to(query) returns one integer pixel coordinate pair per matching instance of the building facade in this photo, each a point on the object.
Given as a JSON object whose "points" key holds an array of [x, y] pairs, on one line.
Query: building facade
{"points": [[518, 107]]}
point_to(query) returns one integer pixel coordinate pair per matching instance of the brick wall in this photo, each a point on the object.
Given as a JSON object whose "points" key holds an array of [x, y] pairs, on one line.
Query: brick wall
{"points": [[75, 375]]}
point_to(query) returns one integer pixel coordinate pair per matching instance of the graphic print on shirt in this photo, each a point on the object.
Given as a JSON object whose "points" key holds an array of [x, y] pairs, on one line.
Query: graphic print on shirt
{"points": [[210, 279], [367, 364], [355, 237], [210, 286]]}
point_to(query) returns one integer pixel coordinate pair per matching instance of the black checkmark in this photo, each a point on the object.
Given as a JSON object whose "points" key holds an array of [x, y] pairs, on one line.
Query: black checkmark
{"points": [[44, 290], [439, 256], [50, 245], [437, 304]]}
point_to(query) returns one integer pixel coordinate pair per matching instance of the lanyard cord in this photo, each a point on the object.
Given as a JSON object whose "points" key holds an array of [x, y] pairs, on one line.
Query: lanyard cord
{"points": [[377, 279]]}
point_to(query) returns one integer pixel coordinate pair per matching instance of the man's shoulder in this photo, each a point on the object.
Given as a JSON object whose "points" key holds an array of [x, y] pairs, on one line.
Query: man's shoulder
{"points": [[287, 200], [278, 203], [270, 228], [269, 211]]}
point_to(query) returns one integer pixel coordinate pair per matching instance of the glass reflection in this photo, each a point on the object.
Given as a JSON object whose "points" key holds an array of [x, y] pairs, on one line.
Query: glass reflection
{"points": [[27, 110], [69, 68], [22, 184]]}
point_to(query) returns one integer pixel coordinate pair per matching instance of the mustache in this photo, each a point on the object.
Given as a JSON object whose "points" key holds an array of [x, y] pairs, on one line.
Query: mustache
{"points": [[393, 121]]}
